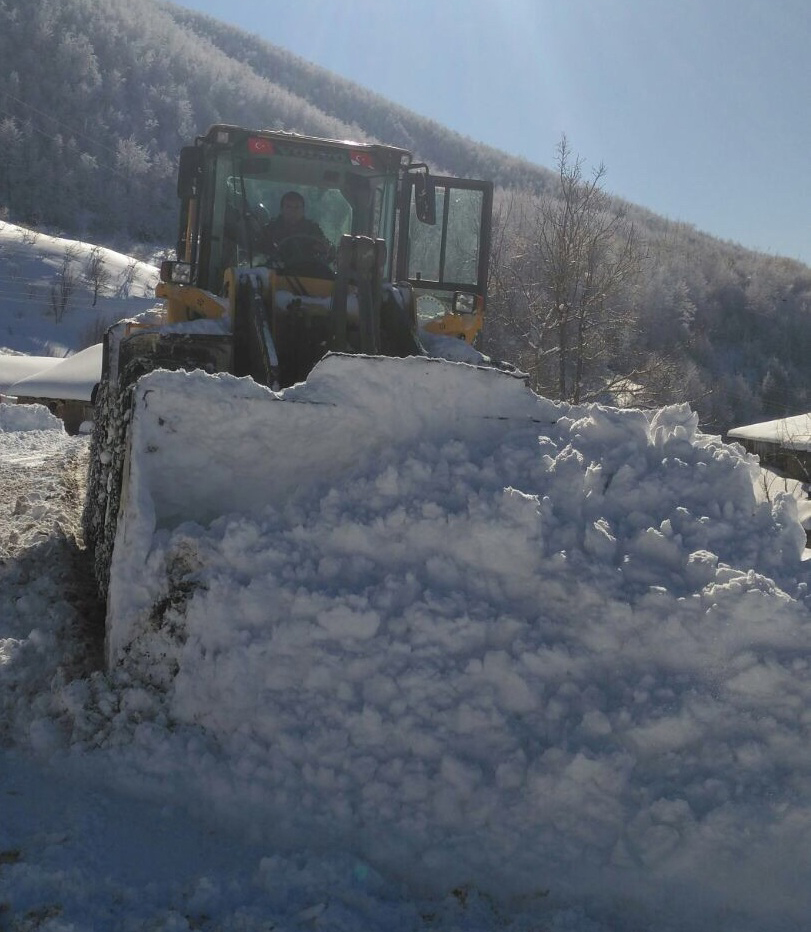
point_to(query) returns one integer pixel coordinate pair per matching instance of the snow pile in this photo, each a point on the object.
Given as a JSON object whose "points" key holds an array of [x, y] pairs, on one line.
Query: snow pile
{"points": [[559, 649], [451, 348], [32, 440], [42, 475], [498, 664], [772, 482], [217, 444], [41, 470], [20, 418]]}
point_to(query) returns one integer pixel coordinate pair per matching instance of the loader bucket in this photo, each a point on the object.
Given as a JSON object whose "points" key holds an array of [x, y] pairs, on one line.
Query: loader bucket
{"points": [[201, 446]]}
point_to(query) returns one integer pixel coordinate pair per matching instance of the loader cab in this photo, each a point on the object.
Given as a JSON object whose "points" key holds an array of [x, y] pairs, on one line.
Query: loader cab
{"points": [[233, 183], [435, 230]]}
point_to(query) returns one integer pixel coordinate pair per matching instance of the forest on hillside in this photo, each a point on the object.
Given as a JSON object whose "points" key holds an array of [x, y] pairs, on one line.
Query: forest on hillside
{"points": [[97, 99]]}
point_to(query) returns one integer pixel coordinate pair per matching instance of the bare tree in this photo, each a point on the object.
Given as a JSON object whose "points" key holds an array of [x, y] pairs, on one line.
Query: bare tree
{"points": [[29, 236], [563, 283], [96, 272], [127, 278], [63, 286]]}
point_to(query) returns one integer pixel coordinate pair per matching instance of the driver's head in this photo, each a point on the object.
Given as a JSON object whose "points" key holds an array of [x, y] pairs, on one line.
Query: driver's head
{"points": [[292, 208]]}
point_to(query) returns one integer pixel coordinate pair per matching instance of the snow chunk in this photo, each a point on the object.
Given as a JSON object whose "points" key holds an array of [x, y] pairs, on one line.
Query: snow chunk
{"points": [[17, 418]]}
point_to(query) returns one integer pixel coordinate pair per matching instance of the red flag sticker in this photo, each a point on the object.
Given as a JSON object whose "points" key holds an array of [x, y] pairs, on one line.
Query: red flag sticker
{"points": [[363, 159], [259, 146]]}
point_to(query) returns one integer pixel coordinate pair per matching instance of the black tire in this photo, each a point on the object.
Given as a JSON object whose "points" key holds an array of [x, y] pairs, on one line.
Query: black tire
{"points": [[107, 456]]}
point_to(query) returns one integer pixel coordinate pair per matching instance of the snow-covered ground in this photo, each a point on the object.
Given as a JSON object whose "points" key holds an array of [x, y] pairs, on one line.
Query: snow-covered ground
{"points": [[550, 674], [48, 285], [57, 297]]}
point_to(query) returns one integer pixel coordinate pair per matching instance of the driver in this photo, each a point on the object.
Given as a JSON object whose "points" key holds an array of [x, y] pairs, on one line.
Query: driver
{"points": [[292, 222]]}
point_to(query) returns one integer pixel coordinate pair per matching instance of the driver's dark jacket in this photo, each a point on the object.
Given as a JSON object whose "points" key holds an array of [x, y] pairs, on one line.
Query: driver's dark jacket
{"points": [[277, 231]]}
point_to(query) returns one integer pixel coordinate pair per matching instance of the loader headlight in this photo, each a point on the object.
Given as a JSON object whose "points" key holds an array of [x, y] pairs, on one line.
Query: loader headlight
{"points": [[177, 272], [464, 303]]}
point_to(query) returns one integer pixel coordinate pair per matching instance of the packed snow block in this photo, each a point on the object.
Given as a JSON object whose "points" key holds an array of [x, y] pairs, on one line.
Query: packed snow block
{"points": [[202, 446]]}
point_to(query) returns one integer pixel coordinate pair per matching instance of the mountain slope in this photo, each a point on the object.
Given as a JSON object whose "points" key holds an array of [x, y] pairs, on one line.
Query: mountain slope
{"points": [[94, 136], [59, 295], [362, 111]]}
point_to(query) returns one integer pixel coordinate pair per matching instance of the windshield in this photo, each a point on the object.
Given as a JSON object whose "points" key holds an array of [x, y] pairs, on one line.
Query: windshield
{"points": [[288, 209]]}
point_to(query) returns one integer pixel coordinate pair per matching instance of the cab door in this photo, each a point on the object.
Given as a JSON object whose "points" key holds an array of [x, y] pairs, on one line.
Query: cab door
{"points": [[446, 262]]}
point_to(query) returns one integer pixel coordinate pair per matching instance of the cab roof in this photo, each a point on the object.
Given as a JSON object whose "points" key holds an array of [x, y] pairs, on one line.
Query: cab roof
{"points": [[225, 133]]}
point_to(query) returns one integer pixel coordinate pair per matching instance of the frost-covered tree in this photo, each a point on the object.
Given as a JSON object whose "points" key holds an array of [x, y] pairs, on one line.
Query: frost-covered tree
{"points": [[96, 273], [564, 282]]}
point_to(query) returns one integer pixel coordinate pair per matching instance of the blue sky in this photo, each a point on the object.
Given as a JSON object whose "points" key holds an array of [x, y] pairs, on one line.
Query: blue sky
{"points": [[699, 109]]}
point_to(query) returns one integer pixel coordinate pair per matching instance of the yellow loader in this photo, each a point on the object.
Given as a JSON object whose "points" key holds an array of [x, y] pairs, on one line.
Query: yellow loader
{"points": [[382, 259]]}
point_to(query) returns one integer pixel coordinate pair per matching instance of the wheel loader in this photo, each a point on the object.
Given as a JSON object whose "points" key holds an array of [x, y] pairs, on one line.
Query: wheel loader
{"points": [[392, 257], [398, 249]]}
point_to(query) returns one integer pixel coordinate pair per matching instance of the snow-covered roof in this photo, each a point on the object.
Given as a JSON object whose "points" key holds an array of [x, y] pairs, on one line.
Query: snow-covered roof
{"points": [[792, 433], [73, 378], [14, 367]]}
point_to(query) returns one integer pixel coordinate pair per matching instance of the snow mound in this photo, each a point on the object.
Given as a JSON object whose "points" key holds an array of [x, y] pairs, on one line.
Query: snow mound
{"points": [[514, 665], [17, 418], [451, 348], [553, 641]]}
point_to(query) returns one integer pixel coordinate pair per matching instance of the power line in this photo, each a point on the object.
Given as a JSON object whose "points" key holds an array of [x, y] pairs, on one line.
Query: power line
{"points": [[74, 132], [49, 116]]}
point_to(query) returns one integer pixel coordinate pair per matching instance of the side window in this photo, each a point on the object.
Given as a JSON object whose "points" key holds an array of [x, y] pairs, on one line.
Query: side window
{"points": [[425, 243], [450, 253], [463, 240]]}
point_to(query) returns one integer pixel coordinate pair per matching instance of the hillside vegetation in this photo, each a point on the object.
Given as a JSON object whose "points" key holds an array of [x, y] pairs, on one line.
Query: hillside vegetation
{"points": [[97, 99]]}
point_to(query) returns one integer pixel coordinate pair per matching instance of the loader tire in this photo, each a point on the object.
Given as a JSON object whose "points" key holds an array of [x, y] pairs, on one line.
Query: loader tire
{"points": [[107, 456]]}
